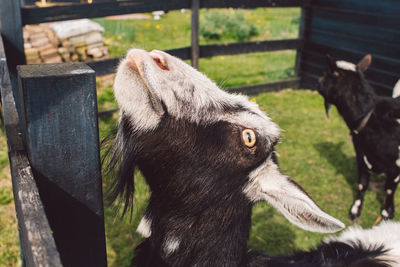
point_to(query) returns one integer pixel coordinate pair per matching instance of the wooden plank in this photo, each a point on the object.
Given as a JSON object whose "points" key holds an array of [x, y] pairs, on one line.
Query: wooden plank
{"points": [[354, 16], [36, 240], [389, 65], [368, 32], [249, 3], [11, 32], [305, 14], [195, 50], [372, 73], [386, 7], [61, 136], [36, 237], [34, 15], [248, 47], [255, 89], [342, 41], [108, 66]]}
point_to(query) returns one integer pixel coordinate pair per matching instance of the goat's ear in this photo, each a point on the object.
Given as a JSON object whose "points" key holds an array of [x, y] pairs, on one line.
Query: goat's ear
{"points": [[292, 201], [331, 64], [364, 63]]}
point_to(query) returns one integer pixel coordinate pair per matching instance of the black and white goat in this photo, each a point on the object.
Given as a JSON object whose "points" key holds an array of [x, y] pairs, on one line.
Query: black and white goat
{"points": [[208, 156], [374, 123]]}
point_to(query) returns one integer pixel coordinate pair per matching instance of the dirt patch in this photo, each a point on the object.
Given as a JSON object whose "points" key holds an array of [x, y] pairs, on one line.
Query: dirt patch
{"points": [[130, 16]]}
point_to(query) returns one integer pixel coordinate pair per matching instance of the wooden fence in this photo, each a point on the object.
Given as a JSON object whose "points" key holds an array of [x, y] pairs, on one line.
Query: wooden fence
{"points": [[52, 133], [350, 29]]}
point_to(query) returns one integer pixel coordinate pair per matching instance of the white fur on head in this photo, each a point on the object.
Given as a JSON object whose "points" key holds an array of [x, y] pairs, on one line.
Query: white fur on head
{"points": [[185, 93], [268, 184], [344, 65], [386, 234]]}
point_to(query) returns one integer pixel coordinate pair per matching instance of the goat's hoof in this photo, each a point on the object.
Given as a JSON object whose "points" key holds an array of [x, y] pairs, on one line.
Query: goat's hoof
{"points": [[387, 214], [355, 210], [354, 216]]}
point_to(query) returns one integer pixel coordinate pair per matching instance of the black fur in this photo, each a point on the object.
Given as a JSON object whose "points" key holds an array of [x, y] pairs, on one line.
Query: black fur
{"points": [[379, 139]]}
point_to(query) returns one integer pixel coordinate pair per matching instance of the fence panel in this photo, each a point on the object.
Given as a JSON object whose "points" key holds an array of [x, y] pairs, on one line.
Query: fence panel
{"points": [[61, 135]]}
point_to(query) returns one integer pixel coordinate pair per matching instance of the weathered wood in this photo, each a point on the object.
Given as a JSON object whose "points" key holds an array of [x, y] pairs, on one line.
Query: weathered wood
{"points": [[195, 50], [305, 11], [382, 7], [255, 89], [249, 3], [61, 136], [248, 47], [36, 240], [34, 15], [37, 243], [11, 32], [109, 66]]}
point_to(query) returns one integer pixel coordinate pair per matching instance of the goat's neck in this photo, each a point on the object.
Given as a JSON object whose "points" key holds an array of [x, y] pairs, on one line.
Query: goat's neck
{"points": [[212, 233], [356, 112]]}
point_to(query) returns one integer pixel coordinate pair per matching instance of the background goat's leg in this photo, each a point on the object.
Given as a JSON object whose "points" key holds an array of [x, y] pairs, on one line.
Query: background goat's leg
{"points": [[390, 189], [363, 181]]}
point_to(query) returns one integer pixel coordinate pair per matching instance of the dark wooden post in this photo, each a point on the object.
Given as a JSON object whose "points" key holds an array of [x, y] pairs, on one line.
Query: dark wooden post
{"points": [[11, 31], [195, 34], [37, 244], [302, 29], [61, 134]]}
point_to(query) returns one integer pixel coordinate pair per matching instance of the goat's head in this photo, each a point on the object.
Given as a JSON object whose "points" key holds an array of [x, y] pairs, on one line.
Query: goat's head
{"points": [[198, 146], [344, 85]]}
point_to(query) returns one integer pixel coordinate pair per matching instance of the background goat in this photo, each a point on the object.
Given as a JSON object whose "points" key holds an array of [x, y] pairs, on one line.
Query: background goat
{"points": [[374, 123], [208, 156]]}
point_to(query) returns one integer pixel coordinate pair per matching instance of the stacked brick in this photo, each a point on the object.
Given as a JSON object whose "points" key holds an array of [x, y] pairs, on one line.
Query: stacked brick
{"points": [[77, 40]]}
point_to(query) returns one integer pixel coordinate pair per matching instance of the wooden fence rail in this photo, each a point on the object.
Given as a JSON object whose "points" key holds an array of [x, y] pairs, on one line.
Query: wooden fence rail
{"points": [[36, 240]]}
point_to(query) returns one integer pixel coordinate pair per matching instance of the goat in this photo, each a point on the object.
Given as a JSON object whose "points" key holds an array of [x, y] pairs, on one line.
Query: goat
{"points": [[374, 123], [207, 157]]}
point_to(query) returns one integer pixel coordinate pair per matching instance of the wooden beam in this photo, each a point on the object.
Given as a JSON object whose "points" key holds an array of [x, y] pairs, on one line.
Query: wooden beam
{"points": [[34, 15], [61, 136], [109, 66], [255, 89], [195, 33], [36, 240], [248, 47], [11, 32]]}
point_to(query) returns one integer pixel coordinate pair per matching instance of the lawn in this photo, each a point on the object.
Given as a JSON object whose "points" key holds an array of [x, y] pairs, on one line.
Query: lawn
{"points": [[314, 151]]}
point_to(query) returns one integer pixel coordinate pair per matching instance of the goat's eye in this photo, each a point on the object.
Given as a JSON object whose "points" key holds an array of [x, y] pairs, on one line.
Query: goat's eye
{"points": [[249, 138]]}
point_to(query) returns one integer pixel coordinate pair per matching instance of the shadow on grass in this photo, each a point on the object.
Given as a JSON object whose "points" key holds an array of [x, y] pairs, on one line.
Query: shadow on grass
{"points": [[348, 168], [343, 164]]}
